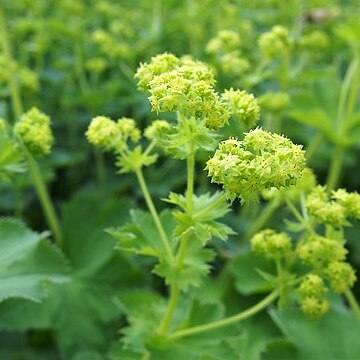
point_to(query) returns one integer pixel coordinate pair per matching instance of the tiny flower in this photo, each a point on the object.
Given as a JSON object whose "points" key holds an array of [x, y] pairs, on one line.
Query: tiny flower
{"points": [[156, 129], [313, 286], [158, 65], [264, 160], [314, 307], [271, 244], [318, 251], [275, 42], [103, 133], [35, 132], [224, 42], [242, 105], [341, 276]]}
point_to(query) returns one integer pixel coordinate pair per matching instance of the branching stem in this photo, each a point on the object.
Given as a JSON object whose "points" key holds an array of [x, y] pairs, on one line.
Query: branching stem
{"points": [[154, 214], [227, 321]]}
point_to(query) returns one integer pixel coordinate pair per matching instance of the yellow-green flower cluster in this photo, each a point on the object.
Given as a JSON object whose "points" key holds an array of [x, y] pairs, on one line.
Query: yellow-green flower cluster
{"points": [[233, 63], [333, 210], [225, 41], [157, 129], [316, 40], [275, 43], [158, 65], [350, 201], [110, 135], [340, 275], [242, 105], [225, 47], [312, 292], [261, 161], [274, 101], [110, 45], [304, 185], [35, 132], [327, 256], [183, 85], [96, 64], [317, 251], [271, 244]]}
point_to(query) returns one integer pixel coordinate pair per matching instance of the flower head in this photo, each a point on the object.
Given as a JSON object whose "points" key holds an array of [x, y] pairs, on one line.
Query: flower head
{"points": [[35, 132], [242, 105], [261, 161]]}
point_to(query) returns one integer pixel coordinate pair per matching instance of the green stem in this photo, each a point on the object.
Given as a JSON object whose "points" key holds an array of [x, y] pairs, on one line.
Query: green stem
{"points": [[263, 218], [79, 69], [44, 198], [353, 303], [335, 168], [227, 321], [347, 103], [182, 252], [190, 180], [14, 90], [154, 214], [174, 296], [313, 145], [294, 210]]}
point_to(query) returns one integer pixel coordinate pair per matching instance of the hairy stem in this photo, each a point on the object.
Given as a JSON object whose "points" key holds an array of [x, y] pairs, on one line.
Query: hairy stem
{"points": [[154, 214], [227, 321], [44, 198], [353, 303]]}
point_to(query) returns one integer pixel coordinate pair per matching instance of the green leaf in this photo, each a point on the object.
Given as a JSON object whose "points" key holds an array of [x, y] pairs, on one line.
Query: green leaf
{"points": [[315, 118], [176, 142], [141, 236], [247, 269], [206, 209], [27, 262], [334, 337], [82, 310], [11, 158], [195, 267]]}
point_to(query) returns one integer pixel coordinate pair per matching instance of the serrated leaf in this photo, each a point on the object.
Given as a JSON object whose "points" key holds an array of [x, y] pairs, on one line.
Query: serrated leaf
{"points": [[27, 262], [206, 209], [176, 142], [195, 267], [82, 310], [141, 235]]}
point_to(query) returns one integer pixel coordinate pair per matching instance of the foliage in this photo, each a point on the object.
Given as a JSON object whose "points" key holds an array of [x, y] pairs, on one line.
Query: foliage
{"points": [[229, 228]]}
